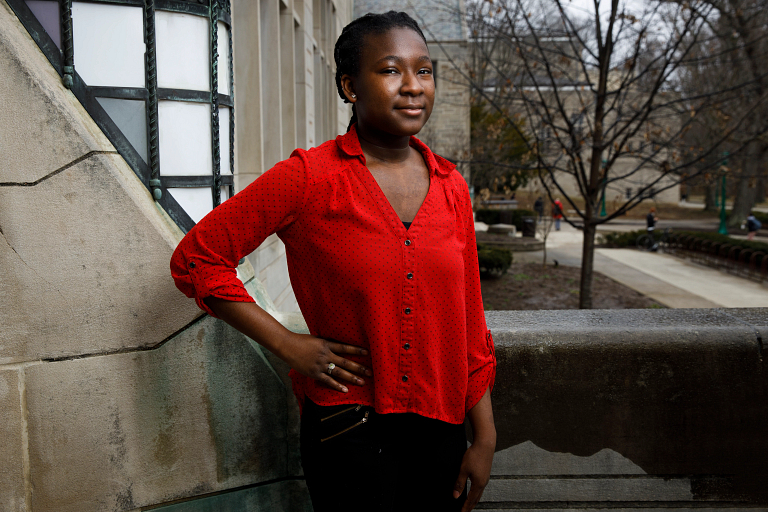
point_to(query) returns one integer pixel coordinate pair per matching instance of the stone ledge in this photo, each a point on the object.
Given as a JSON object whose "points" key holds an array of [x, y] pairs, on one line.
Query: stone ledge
{"points": [[674, 392]]}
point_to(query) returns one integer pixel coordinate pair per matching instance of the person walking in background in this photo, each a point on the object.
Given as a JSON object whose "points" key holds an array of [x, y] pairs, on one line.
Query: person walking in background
{"points": [[538, 207], [753, 225], [650, 226], [557, 213]]}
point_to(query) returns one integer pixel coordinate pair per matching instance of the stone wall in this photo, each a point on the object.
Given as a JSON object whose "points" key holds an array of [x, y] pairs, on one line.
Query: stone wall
{"points": [[116, 392], [633, 409]]}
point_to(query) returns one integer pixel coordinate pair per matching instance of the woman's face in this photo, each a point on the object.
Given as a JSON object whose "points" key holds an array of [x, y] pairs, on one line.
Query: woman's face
{"points": [[395, 89]]}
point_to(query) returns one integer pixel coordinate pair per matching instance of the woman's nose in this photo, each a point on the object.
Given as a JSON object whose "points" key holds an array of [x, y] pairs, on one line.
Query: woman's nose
{"points": [[411, 84]]}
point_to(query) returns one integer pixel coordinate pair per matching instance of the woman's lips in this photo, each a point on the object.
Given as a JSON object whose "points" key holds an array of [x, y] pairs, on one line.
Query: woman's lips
{"points": [[412, 111]]}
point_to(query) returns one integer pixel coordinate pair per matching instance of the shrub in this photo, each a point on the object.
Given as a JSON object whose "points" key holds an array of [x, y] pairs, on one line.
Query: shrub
{"points": [[625, 239], [629, 238], [762, 217], [514, 217], [717, 237], [494, 261]]}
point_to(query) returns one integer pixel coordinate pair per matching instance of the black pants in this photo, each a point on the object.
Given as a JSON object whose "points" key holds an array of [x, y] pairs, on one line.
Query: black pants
{"points": [[357, 460]]}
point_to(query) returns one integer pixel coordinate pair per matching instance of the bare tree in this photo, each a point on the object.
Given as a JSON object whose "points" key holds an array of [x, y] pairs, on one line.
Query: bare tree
{"points": [[597, 94], [735, 51], [543, 228]]}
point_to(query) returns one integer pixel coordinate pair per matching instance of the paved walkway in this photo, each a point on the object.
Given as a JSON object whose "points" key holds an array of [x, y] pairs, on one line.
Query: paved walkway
{"points": [[671, 281]]}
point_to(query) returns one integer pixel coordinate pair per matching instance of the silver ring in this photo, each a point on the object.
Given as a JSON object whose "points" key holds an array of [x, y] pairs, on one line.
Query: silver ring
{"points": [[331, 366]]}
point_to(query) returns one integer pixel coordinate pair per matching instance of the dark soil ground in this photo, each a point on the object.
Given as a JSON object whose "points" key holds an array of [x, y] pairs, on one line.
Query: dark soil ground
{"points": [[531, 286]]}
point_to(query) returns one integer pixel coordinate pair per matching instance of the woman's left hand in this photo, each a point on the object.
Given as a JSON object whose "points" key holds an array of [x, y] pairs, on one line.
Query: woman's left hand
{"points": [[476, 465]]}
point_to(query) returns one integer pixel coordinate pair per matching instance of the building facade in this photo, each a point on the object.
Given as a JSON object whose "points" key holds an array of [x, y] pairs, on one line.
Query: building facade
{"points": [[124, 123]]}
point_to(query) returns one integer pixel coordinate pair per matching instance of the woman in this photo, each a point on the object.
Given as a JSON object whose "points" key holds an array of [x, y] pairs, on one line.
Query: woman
{"points": [[381, 252]]}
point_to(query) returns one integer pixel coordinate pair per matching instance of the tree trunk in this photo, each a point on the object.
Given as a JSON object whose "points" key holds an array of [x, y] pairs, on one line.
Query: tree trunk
{"points": [[587, 264], [761, 184], [743, 202], [710, 198], [746, 190]]}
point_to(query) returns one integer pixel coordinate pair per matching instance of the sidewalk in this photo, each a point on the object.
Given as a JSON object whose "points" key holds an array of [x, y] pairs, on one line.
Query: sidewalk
{"points": [[673, 282]]}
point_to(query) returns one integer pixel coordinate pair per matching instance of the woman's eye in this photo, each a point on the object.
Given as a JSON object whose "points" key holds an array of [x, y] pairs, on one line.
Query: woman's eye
{"points": [[425, 71], [389, 71]]}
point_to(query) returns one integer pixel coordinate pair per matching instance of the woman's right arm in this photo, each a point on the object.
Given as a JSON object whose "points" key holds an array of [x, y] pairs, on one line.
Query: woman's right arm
{"points": [[205, 261], [304, 353]]}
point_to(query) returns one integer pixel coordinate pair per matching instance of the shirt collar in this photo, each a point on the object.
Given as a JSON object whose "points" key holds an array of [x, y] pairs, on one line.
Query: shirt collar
{"points": [[350, 144]]}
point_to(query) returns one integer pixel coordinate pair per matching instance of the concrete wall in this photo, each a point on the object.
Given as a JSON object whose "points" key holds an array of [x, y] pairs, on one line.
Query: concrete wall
{"points": [[115, 391], [632, 409], [285, 98]]}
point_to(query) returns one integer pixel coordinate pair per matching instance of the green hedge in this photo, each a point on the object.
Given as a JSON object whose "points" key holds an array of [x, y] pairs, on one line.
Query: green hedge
{"points": [[494, 261], [762, 217], [628, 239], [514, 217], [716, 237]]}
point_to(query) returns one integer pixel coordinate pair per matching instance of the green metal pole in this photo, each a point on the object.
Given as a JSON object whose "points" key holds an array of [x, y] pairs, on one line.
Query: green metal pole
{"points": [[723, 230]]}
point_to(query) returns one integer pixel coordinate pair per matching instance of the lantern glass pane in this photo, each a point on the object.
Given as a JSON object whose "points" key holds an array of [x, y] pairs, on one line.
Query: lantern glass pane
{"points": [[223, 47], [185, 138], [183, 51], [47, 13], [197, 202], [131, 117], [109, 44], [224, 141]]}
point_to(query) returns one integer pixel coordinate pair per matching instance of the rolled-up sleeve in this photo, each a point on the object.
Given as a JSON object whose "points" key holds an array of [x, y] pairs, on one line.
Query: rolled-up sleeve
{"points": [[204, 263], [481, 356]]}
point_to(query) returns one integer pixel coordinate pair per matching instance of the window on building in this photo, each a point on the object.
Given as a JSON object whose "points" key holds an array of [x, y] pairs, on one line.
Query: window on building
{"points": [[160, 86]]}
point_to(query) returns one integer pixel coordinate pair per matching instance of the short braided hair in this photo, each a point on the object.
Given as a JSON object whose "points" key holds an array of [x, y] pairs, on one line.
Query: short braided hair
{"points": [[349, 45]]}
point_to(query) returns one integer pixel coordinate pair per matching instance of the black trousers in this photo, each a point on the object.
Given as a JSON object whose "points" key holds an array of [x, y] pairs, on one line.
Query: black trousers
{"points": [[357, 460]]}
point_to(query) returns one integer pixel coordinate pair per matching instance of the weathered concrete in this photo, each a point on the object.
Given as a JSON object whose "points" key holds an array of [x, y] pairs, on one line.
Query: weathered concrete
{"points": [[42, 125], [85, 265], [676, 392], [202, 413], [527, 459], [12, 489], [287, 495], [589, 489]]}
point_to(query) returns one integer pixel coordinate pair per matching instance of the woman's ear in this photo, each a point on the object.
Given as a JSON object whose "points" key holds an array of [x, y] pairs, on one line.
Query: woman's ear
{"points": [[348, 86]]}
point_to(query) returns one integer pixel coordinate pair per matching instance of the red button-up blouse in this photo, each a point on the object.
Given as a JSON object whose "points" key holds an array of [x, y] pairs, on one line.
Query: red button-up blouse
{"points": [[411, 297]]}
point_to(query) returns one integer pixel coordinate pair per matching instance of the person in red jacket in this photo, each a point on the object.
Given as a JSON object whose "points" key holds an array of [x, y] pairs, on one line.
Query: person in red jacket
{"points": [[381, 251], [557, 213]]}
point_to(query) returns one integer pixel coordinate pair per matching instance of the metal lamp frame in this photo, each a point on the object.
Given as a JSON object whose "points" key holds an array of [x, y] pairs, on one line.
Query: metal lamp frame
{"points": [[149, 172]]}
